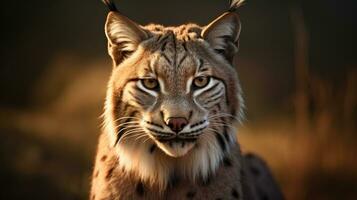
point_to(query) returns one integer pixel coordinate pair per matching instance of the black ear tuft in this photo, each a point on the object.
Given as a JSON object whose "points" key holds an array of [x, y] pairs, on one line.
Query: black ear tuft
{"points": [[110, 4], [235, 4]]}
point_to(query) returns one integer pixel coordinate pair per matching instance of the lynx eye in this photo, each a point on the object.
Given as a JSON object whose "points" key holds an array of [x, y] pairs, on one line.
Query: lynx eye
{"points": [[201, 81], [150, 83]]}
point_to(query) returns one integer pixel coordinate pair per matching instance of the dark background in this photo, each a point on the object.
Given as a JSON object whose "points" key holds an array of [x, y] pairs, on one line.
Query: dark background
{"points": [[297, 64]]}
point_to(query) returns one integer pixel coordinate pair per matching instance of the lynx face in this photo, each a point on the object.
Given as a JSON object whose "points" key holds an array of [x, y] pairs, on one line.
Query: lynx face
{"points": [[172, 85]]}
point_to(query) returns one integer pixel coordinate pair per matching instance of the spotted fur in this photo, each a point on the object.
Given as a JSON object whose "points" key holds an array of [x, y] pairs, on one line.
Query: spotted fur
{"points": [[139, 155]]}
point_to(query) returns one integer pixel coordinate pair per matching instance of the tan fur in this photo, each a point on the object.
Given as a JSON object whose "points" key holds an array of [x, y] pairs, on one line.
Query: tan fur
{"points": [[139, 156]]}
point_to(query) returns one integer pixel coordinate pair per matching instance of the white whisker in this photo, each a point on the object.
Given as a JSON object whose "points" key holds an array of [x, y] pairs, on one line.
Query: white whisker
{"points": [[121, 118], [129, 132]]}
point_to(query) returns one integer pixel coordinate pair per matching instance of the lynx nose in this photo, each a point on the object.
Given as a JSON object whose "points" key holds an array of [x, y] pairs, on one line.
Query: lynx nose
{"points": [[176, 124]]}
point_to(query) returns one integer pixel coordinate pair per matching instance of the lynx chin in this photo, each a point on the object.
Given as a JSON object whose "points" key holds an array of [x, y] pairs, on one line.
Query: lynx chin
{"points": [[173, 102]]}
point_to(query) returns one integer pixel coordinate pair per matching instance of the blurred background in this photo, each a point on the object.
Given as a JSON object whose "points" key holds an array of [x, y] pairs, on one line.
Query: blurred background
{"points": [[297, 65]]}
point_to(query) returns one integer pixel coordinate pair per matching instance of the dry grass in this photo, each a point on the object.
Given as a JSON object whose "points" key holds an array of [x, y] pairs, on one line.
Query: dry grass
{"points": [[304, 166]]}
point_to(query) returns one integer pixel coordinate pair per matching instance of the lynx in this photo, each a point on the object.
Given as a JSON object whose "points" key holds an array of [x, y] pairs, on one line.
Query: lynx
{"points": [[172, 105]]}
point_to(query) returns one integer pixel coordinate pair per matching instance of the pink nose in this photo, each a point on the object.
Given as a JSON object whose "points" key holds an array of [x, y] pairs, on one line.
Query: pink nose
{"points": [[176, 124]]}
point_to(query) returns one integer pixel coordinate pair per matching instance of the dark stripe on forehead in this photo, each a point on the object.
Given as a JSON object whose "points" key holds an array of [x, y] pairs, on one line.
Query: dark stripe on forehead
{"points": [[166, 58], [158, 38], [188, 37], [203, 69], [175, 47], [181, 60], [163, 47], [164, 38], [184, 45]]}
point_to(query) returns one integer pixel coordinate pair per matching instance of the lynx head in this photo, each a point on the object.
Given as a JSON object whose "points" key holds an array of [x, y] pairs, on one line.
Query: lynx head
{"points": [[173, 88]]}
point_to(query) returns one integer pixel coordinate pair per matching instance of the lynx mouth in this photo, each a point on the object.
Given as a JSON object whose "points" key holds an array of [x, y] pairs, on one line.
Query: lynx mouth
{"points": [[176, 147]]}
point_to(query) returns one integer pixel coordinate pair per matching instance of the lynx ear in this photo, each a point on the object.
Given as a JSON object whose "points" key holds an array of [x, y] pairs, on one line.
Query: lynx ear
{"points": [[223, 34], [124, 36]]}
